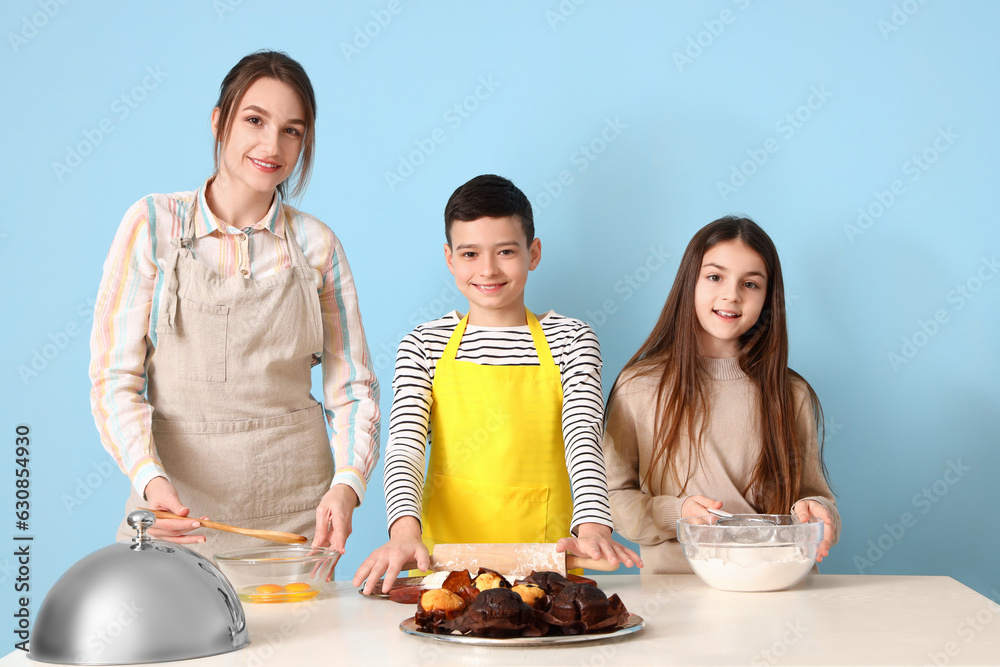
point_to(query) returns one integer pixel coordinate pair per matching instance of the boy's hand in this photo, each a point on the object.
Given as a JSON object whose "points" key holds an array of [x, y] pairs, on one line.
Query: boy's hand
{"points": [[698, 505], [404, 546], [594, 541], [807, 509]]}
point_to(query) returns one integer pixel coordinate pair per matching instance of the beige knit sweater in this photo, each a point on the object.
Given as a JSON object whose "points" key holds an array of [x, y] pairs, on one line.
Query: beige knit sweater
{"points": [[647, 513]]}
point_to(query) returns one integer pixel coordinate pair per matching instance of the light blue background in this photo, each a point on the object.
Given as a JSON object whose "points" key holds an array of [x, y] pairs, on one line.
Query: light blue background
{"points": [[884, 85]]}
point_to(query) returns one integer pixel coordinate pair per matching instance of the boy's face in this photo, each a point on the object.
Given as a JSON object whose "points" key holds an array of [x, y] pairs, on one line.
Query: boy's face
{"points": [[490, 259]]}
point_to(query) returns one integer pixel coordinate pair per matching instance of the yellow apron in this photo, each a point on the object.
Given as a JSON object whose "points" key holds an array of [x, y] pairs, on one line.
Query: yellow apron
{"points": [[497, 469]]}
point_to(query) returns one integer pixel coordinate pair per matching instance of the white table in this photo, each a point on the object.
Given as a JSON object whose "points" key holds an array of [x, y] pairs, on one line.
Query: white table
{"points": [[827, 620]]}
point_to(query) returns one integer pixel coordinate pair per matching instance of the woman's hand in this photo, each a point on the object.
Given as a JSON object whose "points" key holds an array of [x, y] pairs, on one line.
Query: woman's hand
{"points": [[698, 506], [807, 509], [404, 546], [333, 517], [161, 495], [594, 541]]}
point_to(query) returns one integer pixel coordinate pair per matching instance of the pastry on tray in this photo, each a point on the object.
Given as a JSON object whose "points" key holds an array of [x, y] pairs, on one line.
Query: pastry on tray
{"points": [[545, 603]]}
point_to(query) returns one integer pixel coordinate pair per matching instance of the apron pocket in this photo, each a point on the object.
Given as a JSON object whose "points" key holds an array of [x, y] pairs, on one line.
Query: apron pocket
{"points": [[205, 329], [462, 510]]}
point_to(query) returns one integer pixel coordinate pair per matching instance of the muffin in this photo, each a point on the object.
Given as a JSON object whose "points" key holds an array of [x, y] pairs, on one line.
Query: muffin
{"points": [[436, 609], [531, 594], [580, 602], [439, 599], [499, 613], [488, 579], [550, 582]]}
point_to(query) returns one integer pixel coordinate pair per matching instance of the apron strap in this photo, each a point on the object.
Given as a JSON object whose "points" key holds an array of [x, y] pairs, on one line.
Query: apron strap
{"points": [[295, 250], [541, 345], [178, 245], [537, 336], [451, 349]]}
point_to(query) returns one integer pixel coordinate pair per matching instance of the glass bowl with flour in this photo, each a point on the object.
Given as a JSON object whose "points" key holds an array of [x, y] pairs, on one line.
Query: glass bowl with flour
{"points": [[750, 552]]}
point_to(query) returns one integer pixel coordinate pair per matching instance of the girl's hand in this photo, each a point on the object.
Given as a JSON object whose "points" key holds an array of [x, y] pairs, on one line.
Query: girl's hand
{"points": [[333, 517], [807, 509], [698, 506], [161, 495], [594, 541], [404, 546]]}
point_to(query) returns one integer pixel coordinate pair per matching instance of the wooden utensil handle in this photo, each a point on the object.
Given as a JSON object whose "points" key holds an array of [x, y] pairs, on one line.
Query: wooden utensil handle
{"points": [[269, 535], [573, 561]]}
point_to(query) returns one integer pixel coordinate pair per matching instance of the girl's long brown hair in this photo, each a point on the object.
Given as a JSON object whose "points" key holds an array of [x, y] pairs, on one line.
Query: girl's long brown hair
{"points": [[671, 351]]}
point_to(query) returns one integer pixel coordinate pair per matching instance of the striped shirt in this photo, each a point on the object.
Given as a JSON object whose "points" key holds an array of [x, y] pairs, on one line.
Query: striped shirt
{"points": [[128, 308], [575, 351]]}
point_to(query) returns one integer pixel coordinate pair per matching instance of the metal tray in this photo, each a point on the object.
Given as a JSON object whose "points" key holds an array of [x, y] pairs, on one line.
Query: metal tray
{"points": [[633, 624]]}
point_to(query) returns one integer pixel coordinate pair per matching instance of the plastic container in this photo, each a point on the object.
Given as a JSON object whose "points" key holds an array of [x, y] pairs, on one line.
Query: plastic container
{"points": [[750, 552], [285, 573]]}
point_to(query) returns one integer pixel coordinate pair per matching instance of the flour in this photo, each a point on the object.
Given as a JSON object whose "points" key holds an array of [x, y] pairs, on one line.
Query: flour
{"points": [[749, 568], [434, 580]]}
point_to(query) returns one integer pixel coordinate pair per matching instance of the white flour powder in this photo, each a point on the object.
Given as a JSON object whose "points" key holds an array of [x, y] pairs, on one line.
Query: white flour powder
{"points": [[751, 569]]}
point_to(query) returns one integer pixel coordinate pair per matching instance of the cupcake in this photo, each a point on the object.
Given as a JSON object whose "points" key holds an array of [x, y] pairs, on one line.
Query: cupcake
{"points": [[499, 613]]}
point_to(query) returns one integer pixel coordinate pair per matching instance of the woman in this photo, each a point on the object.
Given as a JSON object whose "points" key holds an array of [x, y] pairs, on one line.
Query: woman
{"points": [[212, 309]]}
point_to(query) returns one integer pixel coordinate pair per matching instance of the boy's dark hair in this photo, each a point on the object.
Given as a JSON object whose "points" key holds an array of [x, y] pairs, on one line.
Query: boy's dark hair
{"points": [[488, 196]]}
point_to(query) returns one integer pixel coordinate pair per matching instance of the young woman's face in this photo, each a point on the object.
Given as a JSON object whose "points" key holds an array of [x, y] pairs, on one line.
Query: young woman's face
{"points": [[490, 259], [728, 297], [265, 139]]}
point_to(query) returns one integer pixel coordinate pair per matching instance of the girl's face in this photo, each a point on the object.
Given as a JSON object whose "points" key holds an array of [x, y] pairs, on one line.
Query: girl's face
{"points": [[728, 297], [265, 139]]}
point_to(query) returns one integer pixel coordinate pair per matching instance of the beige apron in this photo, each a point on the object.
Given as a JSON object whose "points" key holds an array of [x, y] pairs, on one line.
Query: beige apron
{"points": [[234, 424]]}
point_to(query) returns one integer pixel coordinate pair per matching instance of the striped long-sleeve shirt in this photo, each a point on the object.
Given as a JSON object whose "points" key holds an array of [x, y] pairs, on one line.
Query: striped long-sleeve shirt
{"points": [[575, 351], [128, 307]]}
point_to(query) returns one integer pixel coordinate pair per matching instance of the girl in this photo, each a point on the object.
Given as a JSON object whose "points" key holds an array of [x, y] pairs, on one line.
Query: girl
{"points": [[707, 413], [213, 307]]}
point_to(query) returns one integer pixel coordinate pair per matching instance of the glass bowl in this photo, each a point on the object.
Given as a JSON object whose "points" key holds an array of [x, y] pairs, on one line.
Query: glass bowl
{"points": [[283, 573], [750, 552]]}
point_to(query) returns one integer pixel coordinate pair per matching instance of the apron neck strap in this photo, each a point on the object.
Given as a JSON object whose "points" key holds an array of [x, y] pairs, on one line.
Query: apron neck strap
{"points": [[297, 256], [537, 336]]}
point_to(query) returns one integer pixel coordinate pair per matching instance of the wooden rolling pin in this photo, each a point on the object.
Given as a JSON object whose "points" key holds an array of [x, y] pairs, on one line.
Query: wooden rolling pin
{"points": [[514, 559], [269, 535]]}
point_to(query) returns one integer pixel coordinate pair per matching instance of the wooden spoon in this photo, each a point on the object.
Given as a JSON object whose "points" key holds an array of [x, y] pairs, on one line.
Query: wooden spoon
{"points": [[269, 535]]}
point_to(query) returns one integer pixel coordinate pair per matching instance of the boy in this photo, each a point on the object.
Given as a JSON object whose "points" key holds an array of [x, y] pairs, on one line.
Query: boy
{"points": [[513, 406]]}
